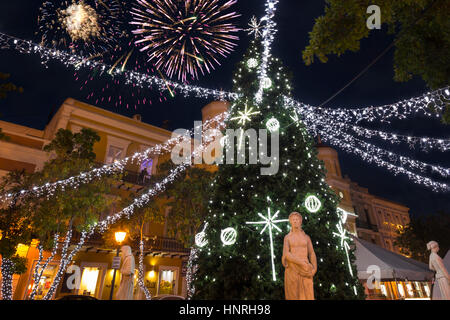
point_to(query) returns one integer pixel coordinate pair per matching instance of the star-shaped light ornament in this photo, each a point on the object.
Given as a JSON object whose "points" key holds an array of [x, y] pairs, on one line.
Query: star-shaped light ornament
{"points": [[270, 223], [294, 116], [342, 234], [245, 115], [255, 27]]}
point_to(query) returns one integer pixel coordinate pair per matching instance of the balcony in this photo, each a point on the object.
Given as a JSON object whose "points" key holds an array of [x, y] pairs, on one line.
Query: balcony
{"points": [[365, 225], [154, 245], [132, 177]]}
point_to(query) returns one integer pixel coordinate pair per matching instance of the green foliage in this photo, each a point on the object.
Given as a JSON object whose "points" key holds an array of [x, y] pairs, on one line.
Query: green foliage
{"points": [[20, 264], [240, 192], [413, 239], [420, 28], [69, 208], [6, 87], [189, 196], [15, 215]]}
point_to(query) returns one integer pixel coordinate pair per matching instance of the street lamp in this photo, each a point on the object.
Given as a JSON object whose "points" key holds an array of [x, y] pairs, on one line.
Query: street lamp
{"points": [[120, 236]]}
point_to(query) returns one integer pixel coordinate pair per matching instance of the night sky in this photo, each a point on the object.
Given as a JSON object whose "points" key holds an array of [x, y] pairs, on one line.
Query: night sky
{"points": [[46, 89]]}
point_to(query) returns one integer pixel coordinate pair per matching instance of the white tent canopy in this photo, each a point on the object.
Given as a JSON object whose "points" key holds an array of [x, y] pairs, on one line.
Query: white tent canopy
{"points": [[393, 266]]}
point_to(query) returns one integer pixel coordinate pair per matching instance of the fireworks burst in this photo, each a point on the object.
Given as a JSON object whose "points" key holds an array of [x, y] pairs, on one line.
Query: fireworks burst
{"points": [[111, 89], [88, 27], [80, 21], [185, 37]]}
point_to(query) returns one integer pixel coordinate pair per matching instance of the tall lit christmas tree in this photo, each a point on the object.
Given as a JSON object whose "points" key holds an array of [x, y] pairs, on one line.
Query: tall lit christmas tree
{"points": [[239, 251]]}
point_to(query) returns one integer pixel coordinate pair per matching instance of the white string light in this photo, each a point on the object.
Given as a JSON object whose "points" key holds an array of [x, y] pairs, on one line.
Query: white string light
{"points": [[331, 132], [103, 225], [147, 293], [131, 77], [270, 223], [108, 169], [268, 35]]}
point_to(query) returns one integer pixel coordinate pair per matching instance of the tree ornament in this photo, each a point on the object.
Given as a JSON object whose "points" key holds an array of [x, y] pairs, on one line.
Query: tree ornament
{"points": [[313, 204], [252, 63], [270, 223], [200, 238], [273, 125], [245, 115], [266, 83], [228, 236]]}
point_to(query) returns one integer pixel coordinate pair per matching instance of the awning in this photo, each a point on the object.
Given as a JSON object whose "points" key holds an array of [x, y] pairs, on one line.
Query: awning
{"points": [[393, 266]]}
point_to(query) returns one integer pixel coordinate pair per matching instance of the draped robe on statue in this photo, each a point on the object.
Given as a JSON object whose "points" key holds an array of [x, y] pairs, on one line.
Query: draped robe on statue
{"points": [[298, 259], [125, 291], [442, 277]]}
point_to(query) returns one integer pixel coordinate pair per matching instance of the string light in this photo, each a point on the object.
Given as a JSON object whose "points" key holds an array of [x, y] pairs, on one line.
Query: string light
{"points": [[269, 224], [7, 274], [147, 293], [135, 78], [268, 36], [102, 226], [108, 169]]}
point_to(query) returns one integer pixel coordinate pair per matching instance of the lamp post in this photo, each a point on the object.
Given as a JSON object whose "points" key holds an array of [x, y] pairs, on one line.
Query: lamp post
{"points": [[120, 236]]}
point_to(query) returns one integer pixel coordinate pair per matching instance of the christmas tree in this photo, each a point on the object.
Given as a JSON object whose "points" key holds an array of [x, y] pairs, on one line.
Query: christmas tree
{"points": [[239, 251]]}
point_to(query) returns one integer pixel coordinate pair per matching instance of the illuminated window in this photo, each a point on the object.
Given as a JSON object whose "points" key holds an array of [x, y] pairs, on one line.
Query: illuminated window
{"points": [[383, 289], [147, 166], [427, 289], [401, 291], [410, 289], [167, 281], [114, 153], [89, 281], [44, 284]]}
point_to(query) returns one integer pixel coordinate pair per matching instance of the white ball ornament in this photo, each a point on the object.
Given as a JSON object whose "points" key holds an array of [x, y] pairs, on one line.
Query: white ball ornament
{"points": [[228, 236], [313, 204], [252, 63], [273, 125], [266, 83], [200, 239]]}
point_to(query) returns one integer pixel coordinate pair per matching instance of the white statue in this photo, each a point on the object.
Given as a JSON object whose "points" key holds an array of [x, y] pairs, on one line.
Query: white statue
{"points": [[299, 260], [442, 281], [125, 291]]}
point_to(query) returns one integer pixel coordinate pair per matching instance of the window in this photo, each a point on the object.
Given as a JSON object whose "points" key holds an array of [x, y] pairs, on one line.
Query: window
{"points": [[401, 290], [146, 167], [89, 281], [168, 283], [114, 153], [44, 283]]}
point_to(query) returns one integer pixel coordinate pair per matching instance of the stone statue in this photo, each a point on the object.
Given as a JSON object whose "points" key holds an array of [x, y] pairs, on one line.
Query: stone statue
{"points": [[125, 291], [299, 261], [442, 281]]}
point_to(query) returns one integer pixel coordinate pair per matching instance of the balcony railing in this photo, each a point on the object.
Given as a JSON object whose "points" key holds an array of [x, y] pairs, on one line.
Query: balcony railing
{"points": [[365, 225], [132, 176], [156, 243]]}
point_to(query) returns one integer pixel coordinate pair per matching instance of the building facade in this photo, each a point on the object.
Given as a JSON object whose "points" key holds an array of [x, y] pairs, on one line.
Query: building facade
{"points": [[369, 217], [120, 136]]}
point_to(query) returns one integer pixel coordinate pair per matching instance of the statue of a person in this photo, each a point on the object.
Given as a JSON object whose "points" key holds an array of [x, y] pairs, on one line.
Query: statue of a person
{"points": [[299, 261], [442, 278], [125, 291]]}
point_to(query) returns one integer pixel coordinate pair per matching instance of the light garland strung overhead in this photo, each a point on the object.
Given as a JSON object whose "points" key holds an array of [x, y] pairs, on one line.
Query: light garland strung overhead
{"points": [[131, 77], [331, 132], [109, 169], [420, 105], [103, 225]]}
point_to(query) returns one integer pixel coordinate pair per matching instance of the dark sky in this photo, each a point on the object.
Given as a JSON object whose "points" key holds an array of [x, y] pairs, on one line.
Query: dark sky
{"points": [[47, 88]]}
